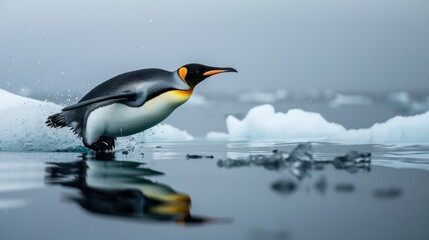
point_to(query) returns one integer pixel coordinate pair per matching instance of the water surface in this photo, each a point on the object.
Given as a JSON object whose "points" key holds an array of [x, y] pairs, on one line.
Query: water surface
{"points": [[162, 194]]}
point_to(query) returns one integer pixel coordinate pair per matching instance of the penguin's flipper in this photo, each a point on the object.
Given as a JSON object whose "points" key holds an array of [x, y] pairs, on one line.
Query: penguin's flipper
{"points": [[125, 96]]}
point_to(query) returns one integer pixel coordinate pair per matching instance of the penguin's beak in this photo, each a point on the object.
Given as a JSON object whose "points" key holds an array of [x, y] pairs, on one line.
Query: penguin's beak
{"points": [[217, 71]]}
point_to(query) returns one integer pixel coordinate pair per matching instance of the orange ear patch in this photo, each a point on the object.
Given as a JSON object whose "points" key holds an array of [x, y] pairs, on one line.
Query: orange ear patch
{"points": [[182, 73]]}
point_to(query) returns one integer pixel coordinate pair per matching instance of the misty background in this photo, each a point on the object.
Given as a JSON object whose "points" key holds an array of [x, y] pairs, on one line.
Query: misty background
{"points": [[344, 45]]}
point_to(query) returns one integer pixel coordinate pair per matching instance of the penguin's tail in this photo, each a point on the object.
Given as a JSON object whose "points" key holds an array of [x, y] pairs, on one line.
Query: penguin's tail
{"points": [[66, 119], [57, 120]]}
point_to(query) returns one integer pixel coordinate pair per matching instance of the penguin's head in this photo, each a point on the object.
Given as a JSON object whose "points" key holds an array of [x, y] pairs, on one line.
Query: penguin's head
{"points": [[194, 73]]}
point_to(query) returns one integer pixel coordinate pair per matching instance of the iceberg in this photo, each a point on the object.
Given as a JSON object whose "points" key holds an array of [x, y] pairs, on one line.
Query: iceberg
{"points": [[22, 128], [263, 123]]}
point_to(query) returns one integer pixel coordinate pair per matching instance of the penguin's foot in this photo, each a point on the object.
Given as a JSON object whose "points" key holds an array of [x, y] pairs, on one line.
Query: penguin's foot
{"points": [[103, 144]]}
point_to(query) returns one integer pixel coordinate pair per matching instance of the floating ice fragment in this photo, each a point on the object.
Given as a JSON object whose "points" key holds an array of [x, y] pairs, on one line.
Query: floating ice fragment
{"points": [[354, 156], [342, 99], [417, 106], [300, 161], [274, 161], [353, 161], [263, 97], [399, 97], [303, 152], [408, 105]]}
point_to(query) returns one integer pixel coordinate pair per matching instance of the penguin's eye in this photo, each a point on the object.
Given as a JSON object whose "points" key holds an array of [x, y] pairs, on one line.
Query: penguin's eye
{"points": [[197, 71]]}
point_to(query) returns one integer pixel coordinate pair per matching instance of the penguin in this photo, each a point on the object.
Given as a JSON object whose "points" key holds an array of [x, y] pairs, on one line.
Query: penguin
{"points": [[130, 103]]}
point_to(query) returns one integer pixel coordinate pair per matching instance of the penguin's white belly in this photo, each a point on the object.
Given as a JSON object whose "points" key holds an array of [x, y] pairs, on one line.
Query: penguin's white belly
{"points": [[118, 120]]}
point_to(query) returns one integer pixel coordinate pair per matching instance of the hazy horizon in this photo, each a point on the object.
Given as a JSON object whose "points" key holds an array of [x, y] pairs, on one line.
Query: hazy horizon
{"points": [[50, 46]]}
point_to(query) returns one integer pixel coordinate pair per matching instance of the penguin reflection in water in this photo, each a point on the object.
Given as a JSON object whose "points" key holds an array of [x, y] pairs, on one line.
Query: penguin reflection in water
{"points": [[130, 103], [121, 189]]}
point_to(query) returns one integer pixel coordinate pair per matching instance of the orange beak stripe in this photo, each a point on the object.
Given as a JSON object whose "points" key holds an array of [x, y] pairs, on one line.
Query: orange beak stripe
{"points": [[213, 72]]}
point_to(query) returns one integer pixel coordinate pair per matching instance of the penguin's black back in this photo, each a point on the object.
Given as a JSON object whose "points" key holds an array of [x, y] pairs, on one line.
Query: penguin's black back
{"points": [[157, 80]]}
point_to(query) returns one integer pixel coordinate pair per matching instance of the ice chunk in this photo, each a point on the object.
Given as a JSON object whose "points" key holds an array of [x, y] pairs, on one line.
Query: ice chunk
{"points": [[263, 123], [399, 97], [263, 97], [342, 99], [417, 106], [354, 156], [353, 161], [22, 127], [407, 104], [275, 161], [303, 152]]}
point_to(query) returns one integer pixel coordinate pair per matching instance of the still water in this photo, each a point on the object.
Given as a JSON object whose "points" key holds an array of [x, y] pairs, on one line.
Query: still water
{"points": [[163, 194]]}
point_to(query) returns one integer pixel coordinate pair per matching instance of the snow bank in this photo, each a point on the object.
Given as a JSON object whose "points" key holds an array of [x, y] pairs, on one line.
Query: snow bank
{"points": [[22, 127], [263, 123]]}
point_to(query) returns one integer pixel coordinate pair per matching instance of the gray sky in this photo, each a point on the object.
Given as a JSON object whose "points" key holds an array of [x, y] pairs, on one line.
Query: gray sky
{"points": [[297, 44]]}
